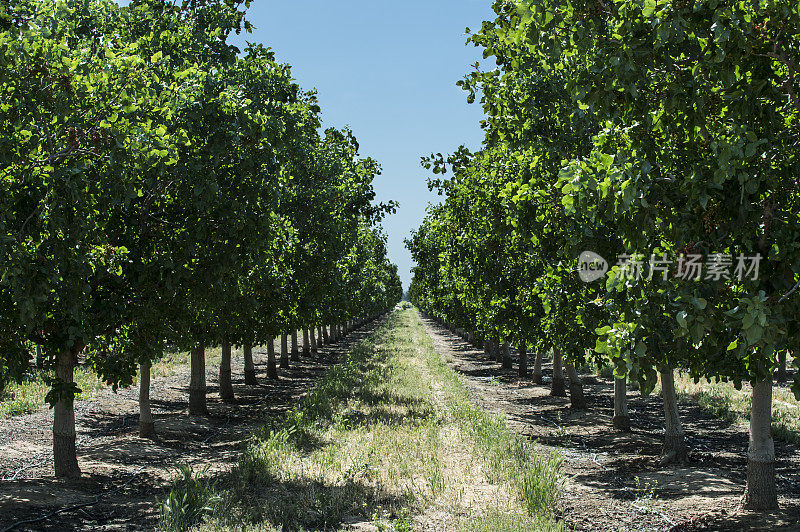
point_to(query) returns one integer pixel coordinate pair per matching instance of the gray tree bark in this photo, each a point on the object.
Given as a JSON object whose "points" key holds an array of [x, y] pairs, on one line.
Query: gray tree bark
{"points": [[40, 357], [313, 341], [761, 493], [621, 419], [284, 351], [576, 398], [306, 343], [295, 351], [523, 361], [147, 426], [506, 362], [537, 368], [225, 383], [325, 336], [674, 440], [65, 456], [272, 370], [197, 382], [780, 376], [249, 367], [557, 387]]}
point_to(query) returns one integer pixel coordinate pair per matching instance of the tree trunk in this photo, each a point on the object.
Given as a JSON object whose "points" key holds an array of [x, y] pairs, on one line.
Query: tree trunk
{"points": [[761, 493], [284, 351], [272, 370], [506, 356], [537, 368], [40, 358], [523, 361], [295, 351], [225, 384], [576, 399], [557, 387], [313, 341], [147, 427], [325, 337], [487, 348], [621, 420], [498, 355], [306, 343], [674, 441], [65, 456], [197, 382], [781, 374], [249, 367]]}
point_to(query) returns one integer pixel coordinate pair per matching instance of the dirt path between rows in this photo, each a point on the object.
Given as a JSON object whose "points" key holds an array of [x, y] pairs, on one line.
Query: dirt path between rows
{"points": [[130, 474], [614, 480]]}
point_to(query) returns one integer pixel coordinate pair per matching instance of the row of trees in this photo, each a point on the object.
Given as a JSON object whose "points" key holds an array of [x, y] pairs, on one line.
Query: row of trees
{"points": [[636, 130], [160, 187]]}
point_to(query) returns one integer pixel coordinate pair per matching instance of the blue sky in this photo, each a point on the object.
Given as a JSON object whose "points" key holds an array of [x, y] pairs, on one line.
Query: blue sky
{"points": [[389, 71]]}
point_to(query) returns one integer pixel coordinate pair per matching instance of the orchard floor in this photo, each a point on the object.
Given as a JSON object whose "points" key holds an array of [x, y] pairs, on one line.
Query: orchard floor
{"points": [[613, 480], [131, 475]]}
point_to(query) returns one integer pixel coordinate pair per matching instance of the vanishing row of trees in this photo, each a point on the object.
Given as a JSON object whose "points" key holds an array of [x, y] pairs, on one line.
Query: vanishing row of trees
{"points": [[630, 129], [160, 187]]}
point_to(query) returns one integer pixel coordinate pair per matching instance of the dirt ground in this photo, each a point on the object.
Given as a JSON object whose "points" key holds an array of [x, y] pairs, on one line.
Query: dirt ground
{"points": [[614, 481], [124, 476]]}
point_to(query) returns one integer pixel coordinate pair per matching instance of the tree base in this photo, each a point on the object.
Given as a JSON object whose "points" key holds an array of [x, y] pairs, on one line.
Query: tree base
{"points": [[250, 377], [760, 493], [295, 356], [622, 423], [147, 429], [674, 449], [506, 363], [65, 457], [272, 374], [285, 364], [537, 378], [576, 399], [197, 403], [558, 388]]}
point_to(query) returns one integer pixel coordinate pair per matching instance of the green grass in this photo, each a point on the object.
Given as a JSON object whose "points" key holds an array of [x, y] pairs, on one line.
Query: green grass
{"points": [[388, 436], [724, 401], [28, 396]]}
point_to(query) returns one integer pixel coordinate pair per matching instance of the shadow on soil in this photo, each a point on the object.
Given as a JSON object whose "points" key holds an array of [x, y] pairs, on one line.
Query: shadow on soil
{"points": [[125, 477], [625, 466]]}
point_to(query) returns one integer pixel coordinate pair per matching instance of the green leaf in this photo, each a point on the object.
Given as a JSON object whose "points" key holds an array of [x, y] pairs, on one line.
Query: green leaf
{"points": [[754, 334]]}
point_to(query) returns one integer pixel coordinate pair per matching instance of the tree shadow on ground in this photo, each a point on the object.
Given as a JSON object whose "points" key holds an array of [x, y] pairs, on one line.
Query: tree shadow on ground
{"points": [[113, 454]]}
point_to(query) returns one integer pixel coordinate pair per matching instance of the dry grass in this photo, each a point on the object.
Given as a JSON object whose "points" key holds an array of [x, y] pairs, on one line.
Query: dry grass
{"points": [[724, 401], [388, 438], [28, 396]]}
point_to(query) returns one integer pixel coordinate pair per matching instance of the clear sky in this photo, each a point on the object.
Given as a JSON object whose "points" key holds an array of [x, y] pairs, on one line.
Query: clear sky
{"points": [[389, 71]]}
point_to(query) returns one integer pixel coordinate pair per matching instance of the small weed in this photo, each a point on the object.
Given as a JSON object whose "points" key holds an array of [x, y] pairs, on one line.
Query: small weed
{"points": [[191, 498]]}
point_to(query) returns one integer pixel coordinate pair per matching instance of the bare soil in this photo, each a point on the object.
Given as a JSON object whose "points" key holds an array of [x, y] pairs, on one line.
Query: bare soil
{"points": [[124, 476], [614, 480]]}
